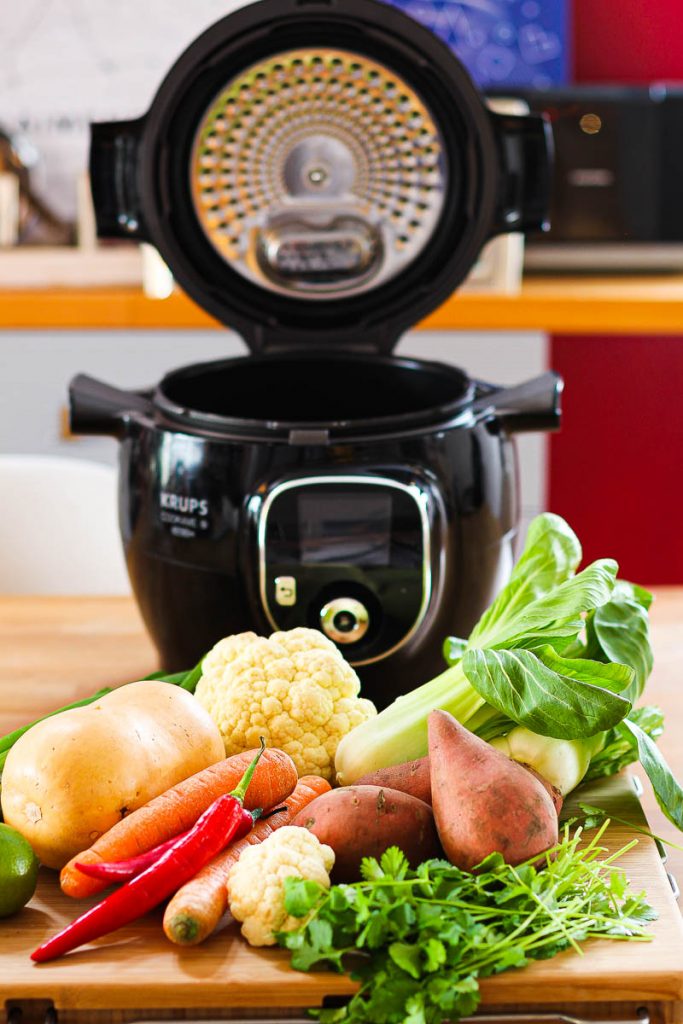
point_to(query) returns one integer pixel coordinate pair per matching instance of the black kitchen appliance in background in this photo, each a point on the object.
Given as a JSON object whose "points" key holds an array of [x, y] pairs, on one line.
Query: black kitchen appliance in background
{"points": [[318, 176], [617, 200]]}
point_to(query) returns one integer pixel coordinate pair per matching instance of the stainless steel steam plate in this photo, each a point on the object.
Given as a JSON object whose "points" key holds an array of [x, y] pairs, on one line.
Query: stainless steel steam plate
{"points": [[318, 172]]}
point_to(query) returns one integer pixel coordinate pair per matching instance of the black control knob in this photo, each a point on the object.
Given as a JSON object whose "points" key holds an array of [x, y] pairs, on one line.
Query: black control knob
{"points": [[344, 620]]}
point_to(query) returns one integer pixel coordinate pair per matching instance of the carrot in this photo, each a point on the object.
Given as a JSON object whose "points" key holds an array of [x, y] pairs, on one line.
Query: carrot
{"points": [[198, 906], [178, 808]]}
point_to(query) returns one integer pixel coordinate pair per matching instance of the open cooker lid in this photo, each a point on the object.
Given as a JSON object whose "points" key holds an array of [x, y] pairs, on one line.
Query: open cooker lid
{"points": [[319, 171]]}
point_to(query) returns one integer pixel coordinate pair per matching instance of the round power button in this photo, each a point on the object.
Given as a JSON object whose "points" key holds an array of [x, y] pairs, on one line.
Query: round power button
{"points": [[344, 620]]}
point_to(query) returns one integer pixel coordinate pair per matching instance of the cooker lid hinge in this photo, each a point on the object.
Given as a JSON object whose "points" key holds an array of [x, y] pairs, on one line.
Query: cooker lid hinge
{"points": [[264, 339]]}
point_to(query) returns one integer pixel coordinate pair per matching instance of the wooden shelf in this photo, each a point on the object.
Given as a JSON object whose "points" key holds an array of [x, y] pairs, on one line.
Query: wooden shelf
{"points": [[558, 305]]}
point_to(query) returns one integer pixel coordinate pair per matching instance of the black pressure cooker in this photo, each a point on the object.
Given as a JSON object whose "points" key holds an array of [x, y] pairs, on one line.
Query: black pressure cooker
{"points": [[318, 175]]}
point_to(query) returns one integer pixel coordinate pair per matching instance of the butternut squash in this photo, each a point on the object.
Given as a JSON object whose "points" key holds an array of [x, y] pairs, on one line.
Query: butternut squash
{"points": [[71, 777]]}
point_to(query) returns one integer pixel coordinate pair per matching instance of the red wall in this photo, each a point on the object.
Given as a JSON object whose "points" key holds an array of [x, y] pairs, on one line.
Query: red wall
{"points": [[617, 464], [616, 468], [628, 40]]}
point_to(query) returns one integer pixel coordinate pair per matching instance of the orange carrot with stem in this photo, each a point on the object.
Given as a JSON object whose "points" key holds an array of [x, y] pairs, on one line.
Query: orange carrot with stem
{"points": [[178, 809], [198, 906]]}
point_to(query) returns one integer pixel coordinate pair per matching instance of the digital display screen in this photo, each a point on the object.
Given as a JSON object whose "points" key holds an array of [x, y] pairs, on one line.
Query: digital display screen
{"points": [[344, 527]]}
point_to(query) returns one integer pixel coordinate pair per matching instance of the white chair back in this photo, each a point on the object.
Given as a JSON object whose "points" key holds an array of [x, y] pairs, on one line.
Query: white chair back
{"points": [[58, 527]]}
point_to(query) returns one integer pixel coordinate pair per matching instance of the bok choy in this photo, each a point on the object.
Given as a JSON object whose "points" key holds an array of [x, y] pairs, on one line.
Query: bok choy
{"points": [[550, 674]]}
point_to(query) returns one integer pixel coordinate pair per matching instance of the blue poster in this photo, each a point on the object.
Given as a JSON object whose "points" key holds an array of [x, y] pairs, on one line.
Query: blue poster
{"points": [[501, 42]]}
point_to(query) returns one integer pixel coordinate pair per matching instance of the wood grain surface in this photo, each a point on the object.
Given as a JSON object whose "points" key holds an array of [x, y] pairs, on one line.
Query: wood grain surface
{"points": [[53, 650]]}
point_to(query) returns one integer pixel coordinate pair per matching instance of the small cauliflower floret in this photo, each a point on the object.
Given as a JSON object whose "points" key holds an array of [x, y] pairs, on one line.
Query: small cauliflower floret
{"points": [[256, 883], [294, 688]]}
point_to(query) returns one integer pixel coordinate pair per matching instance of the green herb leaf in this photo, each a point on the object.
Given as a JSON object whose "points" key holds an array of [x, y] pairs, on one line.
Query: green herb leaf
{"points": [[370, 869], [667, 790], [301, 896], [394, 863], [407, 957], [415, 1010], [434, 953], [522, 687]]}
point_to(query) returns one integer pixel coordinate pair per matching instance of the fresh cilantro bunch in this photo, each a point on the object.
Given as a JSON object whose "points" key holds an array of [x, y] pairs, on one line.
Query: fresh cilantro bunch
{"points": [[418, 941]]}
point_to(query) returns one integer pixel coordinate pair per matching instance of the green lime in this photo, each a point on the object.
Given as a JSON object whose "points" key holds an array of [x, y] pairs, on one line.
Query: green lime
{"points": [[18, 871]]}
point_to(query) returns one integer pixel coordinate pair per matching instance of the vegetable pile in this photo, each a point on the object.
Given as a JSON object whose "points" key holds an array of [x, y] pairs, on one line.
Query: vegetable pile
{"points": [[438, 860]]}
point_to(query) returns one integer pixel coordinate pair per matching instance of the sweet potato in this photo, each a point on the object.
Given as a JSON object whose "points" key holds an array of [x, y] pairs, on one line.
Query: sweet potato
{"points": [[411, 777], [483, 801], [414, 777], [552, 791], [362, 821]]}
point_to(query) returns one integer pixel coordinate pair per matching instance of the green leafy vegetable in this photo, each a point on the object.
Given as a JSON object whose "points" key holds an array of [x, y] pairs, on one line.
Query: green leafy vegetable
{"points": [[611, 676], [621, 630], [594, 817], [185, 680], [519, 684], [555, 612], [620, 747], [667, 790], [419, 941], [453, 649], [559, 653], [551, 555]]}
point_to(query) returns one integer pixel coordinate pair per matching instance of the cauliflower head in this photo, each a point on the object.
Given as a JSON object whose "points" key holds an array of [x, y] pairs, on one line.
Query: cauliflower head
{"points": [[293, 688], [256, 883]]}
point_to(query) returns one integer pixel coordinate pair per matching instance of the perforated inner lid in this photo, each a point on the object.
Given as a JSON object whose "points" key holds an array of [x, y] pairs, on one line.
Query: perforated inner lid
{"points": [[318, 172]]}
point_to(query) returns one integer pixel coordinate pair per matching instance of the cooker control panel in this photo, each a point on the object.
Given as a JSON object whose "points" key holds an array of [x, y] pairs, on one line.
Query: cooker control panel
{"points": [[349, 555]]}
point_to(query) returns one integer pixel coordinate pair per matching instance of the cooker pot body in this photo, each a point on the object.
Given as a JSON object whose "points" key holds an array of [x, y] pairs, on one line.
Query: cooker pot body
{"points": [[388, 540]]}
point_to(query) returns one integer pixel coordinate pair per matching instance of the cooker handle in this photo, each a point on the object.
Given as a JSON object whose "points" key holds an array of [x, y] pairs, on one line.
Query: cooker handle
{"points": [[533, 405], [99, 408], [114, 154], [525, 145]]}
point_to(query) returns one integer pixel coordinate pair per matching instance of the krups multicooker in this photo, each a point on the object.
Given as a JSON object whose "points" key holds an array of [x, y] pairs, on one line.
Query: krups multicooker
{"points": [[318, 176]]}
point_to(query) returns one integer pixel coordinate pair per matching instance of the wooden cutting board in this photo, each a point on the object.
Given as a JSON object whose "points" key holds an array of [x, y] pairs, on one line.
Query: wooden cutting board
{"points": [[136, 968]]}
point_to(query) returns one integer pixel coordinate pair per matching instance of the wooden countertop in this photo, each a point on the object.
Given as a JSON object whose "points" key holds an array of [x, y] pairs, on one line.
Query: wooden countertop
{"points": [[558, 304], [53, 650]]}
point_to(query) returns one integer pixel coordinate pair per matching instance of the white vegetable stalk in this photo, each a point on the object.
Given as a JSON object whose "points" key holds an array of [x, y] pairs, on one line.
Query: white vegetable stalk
{"points": [[562, 762], [399, 733]]}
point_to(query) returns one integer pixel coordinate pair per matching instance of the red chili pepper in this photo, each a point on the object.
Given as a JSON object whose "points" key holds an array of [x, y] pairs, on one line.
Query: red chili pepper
{"points": [[124, 870], [214, 830]]}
